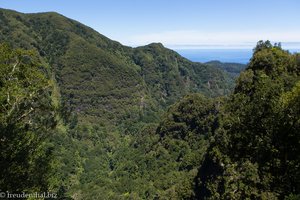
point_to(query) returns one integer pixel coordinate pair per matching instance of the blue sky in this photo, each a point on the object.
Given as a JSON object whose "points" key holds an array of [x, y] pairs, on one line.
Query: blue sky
{"points": [[180, 23]]}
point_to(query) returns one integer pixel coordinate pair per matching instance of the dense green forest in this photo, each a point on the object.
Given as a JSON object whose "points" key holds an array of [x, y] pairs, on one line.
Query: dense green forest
{"points": [[103, 81], [233, 69], [85, 117]]}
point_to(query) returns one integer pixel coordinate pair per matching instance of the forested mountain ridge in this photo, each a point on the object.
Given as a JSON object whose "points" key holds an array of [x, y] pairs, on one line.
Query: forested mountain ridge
{"points": [[116, 92], [139, 133], [100, 79], [232, 68]]}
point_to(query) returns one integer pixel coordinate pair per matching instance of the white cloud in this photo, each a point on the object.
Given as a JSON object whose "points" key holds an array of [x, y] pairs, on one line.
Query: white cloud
{"points": [[190, 38]]}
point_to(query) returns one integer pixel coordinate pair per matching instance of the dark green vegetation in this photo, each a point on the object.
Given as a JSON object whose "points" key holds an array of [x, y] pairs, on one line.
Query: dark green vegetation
{"points": [[103, 81], [255, 152], [27, 117], [113, 122], [233, 69]]}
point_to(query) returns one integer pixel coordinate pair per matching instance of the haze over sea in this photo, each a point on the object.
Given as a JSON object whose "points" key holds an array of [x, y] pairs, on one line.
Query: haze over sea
{"points": [[224, 55]]}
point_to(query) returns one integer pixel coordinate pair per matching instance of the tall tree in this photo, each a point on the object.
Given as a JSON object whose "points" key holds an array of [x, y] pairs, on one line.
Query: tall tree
{"points": [[26, 117], [255, 153]]}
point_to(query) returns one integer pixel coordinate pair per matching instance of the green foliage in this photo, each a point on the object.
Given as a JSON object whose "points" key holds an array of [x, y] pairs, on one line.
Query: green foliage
{"points": [[194, 115], [114, 139], [153, 163], [234, 69], [121, 91], [292, 197], [103, 82], [26, 119], [256, 148]]}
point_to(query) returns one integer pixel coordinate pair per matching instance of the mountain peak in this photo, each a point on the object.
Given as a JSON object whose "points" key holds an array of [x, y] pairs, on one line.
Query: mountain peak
{"points": [[100, 79], [156, 45]]}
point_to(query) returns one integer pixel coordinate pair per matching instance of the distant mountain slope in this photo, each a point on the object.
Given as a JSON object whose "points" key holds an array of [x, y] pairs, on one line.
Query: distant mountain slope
{"points": [[102, 80], [232, 68]]}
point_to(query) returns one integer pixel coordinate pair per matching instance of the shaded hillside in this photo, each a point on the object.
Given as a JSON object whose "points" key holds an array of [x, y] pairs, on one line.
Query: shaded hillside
{"points": [[232, 68], [102, 80], [170, 76]]}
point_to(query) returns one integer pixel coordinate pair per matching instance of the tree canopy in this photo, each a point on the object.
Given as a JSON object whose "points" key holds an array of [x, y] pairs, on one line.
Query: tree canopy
{"points": [[26, 118]]}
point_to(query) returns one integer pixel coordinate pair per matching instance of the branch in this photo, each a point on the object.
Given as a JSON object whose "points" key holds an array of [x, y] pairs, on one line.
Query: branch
{"points": [[14, 67], [8, 98], [25, 114], [12, 108], [13, 70]]}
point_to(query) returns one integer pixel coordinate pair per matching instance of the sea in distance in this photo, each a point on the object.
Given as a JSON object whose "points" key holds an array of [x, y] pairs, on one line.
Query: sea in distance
{"points": [[224, 55]]}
